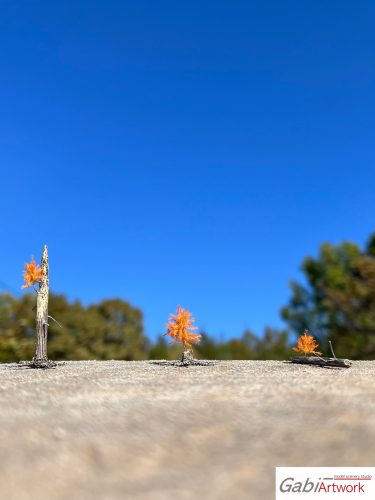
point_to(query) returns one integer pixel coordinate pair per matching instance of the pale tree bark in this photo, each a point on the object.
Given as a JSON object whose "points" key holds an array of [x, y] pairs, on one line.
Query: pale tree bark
{"points": [[188, 359], [42, 312], [187, 356]]}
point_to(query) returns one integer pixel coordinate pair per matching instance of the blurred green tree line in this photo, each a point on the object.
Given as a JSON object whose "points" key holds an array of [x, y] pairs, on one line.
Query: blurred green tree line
{"points": [[336, 302], [112, 329]]}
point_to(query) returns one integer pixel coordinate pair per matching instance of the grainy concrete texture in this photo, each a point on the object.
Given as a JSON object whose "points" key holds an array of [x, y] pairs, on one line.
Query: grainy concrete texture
{"points": [[137, 430]]}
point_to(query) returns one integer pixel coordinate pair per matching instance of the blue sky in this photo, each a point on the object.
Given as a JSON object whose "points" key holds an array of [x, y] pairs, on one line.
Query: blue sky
{"points": [[185, 153]]}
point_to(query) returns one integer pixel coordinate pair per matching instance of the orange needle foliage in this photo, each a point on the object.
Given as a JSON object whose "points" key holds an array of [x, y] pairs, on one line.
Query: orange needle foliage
{"points": [[32, 273], [180, 328], [307, 344]]}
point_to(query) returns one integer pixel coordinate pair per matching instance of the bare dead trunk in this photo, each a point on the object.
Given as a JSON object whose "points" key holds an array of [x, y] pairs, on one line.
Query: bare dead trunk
{"points": [[42, 312]]}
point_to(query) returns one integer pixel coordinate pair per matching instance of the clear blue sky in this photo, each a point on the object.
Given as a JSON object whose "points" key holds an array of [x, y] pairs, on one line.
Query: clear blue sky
{"points": [[185, 153]]}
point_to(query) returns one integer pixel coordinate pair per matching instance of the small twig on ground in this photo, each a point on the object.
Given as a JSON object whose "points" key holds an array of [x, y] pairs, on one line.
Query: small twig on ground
{"points": [[187, 360], [322, 362], [197, 362], [40, 363]]}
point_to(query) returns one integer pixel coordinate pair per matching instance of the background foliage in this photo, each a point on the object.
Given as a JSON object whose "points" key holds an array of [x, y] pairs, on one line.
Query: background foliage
{"points": [[336, 302]]}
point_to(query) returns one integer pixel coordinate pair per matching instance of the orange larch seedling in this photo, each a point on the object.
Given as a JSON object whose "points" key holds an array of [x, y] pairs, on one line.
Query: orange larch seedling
{"points": [[32, 274], [180, 328], [306, 344]]}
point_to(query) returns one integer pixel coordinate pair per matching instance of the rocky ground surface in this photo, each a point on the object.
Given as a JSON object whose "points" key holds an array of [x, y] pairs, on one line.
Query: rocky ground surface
{"points": [[137, 430]]}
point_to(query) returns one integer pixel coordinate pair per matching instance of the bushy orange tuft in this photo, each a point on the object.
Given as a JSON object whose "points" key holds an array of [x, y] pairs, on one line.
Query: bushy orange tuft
{"points": [[180, 328], [307, 344], [32, 274]]}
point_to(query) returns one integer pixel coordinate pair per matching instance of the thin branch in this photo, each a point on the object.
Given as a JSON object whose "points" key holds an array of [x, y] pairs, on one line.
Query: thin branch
{"points": [[55, 320], [317, 355], [330, 345]]}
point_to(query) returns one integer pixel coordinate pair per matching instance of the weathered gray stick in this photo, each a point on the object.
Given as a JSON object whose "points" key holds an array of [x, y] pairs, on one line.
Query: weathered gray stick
{"points": [[42, 312], [317, 361]]}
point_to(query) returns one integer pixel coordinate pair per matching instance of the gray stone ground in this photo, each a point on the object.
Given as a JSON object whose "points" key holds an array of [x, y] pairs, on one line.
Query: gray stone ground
{"points": [[135, 430]]}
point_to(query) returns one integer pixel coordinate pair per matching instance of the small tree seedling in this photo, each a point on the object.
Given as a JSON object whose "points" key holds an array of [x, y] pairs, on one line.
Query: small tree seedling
{"points": [[308, 346], [33, 276], [180, 328]]}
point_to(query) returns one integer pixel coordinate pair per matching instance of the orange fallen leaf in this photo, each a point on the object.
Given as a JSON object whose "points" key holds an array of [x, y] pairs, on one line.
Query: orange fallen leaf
{"points": [[180, 328], [32, 274], [306, 344]]}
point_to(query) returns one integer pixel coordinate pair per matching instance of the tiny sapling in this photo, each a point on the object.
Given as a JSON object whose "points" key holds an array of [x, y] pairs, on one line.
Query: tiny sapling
{"points": [[180, 328], [33, 276], [307, 346]]}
